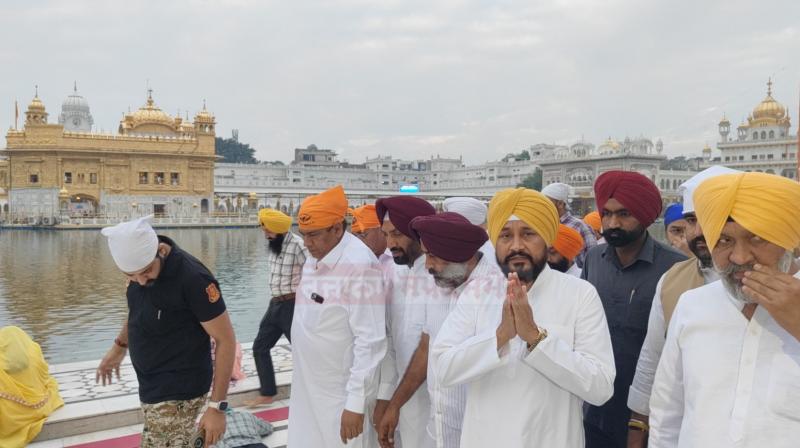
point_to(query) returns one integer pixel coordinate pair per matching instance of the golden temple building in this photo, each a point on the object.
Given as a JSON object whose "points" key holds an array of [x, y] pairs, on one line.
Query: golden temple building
{"points": [[155, 163]]}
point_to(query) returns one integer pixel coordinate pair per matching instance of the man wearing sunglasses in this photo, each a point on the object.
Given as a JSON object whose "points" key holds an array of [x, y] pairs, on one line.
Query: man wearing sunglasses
{"points": [[174, 307]]}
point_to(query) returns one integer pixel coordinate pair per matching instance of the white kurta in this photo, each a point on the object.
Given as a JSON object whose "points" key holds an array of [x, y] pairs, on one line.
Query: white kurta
{"points": [[410, 289], [337, 345], [574, 271], [639, 393], [448, 403], [724, 381], [521, 399]]}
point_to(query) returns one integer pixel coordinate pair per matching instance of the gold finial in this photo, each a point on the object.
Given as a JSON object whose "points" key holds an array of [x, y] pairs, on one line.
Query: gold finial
{"points": [[204, 104], [37, 91], [769, 86], [75, 87]]}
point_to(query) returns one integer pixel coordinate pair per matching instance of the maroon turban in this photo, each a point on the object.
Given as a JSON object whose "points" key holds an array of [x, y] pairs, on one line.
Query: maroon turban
{"points": [[402, 209], [633, 190], [448, 236]]}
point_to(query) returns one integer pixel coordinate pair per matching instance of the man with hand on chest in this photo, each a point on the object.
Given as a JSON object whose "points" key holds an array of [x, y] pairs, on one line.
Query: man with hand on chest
{"points": [[174, 307]]}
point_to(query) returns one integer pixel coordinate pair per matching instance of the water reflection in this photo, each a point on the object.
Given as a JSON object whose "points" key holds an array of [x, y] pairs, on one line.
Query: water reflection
{"points": [[65, 291]]}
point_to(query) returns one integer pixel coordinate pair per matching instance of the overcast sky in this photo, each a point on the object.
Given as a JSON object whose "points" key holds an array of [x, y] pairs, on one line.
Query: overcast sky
{"points": [[411, 78]]}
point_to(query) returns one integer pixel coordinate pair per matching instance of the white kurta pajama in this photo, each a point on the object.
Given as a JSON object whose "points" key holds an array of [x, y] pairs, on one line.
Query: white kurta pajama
{"points": [[724, 381], [409, 291], [639, 394], [518, 398], [448, 402], [337, 345]]}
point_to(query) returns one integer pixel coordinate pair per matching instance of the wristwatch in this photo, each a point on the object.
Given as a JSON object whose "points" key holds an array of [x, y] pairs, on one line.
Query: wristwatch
{"points": [[218, 405]]}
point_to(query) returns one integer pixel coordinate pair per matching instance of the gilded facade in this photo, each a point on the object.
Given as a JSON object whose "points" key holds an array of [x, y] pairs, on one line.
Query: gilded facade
{"points": [[155, 163]]}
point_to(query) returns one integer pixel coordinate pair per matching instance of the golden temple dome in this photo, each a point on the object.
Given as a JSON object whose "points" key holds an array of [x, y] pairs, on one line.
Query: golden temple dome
{"points": [[152, 114], [706, 149], [769, 109], [204, 116], [36, 104]]}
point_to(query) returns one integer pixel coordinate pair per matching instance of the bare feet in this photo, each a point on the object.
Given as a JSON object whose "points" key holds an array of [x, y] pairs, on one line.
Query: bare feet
{"points": [[259, 401]]}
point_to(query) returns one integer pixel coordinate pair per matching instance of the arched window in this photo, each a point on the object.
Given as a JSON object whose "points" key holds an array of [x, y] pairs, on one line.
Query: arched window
{"points": [[771, 134], [755, 135], [763, 135]]}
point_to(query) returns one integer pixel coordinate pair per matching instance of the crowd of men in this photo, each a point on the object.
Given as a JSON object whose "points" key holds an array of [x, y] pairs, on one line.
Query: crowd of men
{"points": [[514, 324]]}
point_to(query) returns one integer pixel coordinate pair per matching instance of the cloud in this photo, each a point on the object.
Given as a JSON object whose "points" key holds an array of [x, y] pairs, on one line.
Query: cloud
{"points": [[411, 78]]}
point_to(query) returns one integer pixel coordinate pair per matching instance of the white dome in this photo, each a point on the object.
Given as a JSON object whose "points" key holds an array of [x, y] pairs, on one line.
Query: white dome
{"points": [[75, 114]]}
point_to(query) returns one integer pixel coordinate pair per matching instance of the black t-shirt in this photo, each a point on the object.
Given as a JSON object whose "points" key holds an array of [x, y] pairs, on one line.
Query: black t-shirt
{"points": [[169, 349]]}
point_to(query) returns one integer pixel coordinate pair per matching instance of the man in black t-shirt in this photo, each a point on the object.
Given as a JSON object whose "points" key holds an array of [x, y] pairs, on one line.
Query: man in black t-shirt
{"points": [[174, 305]]}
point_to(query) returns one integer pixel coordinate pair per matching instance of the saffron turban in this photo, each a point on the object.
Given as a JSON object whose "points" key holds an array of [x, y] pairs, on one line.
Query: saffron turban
{"points": [[323, 210], [401, 210], [594, 221], [638, 194], [133, 244], [569, 242], [448, 236], [687, 188], [765, 204], [557, 191], [529, 206], [470, 208], [674, 212], [274, 221], [364, 218]]}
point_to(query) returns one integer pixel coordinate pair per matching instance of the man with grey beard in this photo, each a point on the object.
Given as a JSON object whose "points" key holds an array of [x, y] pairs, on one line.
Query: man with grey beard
{"points": [[730, 368], [451, 246], [682, 277]]}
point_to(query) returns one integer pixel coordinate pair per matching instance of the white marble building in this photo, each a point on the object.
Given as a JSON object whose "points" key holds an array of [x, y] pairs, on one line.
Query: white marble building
{"points": [[312, 171], [581, 163], [762, 143]]}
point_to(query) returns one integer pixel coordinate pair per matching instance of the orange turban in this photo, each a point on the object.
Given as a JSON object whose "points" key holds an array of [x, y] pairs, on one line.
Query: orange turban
{"points": [[569, 242], [594, 220], [364, 218], [323, 210]]}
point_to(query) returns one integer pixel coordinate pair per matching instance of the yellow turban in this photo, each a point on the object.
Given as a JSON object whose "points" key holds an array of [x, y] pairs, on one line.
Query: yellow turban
{"points": [[274, 221], [364, 218], [765, 204], [32, 394], [323, 210], [530, 206]]}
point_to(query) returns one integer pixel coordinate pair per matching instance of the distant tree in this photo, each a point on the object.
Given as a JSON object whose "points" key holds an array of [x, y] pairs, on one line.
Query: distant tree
{"points": [[523, 155], [233, 151], [534, 181]]}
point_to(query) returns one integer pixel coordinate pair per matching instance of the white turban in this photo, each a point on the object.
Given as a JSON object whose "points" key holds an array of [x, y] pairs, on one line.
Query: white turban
{"points": [[133, 244], [470, 208], [557, 191], [687, 188]]}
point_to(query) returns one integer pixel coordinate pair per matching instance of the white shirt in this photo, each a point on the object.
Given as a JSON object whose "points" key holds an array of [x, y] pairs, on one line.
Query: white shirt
{"points": [[574, 270], [724, 381], [448, 403], [488, 251], [639, 393], [518, 398], [337, 345], [409, 288]]}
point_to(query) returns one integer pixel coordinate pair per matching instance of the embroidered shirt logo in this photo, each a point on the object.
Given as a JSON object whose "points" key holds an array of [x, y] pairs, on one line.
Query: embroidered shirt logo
{"points": [[213, 293]]}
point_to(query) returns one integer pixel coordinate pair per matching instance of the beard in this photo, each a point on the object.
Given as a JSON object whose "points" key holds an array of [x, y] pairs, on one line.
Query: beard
{"points": [[406, 256], [560, 266], [276, 244], [734, 286], [621, 238], [452, 276], [526, 275], [701, 253]]}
